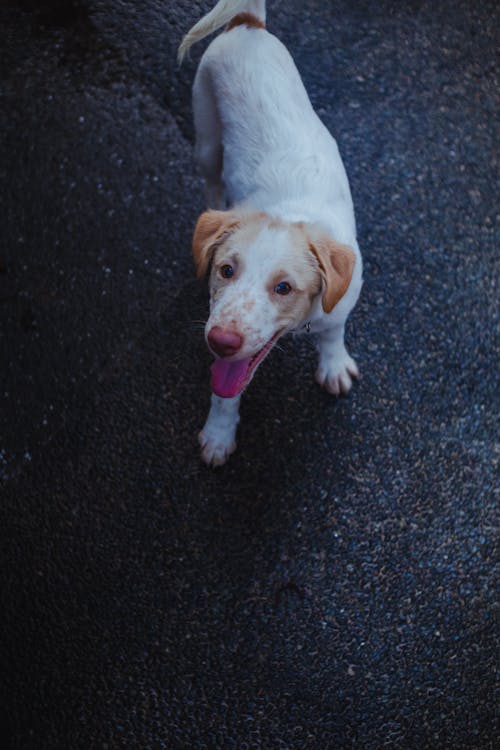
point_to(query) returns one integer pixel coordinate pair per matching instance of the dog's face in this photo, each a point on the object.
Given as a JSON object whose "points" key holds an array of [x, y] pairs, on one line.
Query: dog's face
{"points": [[265, 275]]}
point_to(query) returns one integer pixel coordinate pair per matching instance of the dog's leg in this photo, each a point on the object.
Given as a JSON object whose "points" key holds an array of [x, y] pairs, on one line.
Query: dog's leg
{"points": [[208, 148], [336, 369], [217, 438]]}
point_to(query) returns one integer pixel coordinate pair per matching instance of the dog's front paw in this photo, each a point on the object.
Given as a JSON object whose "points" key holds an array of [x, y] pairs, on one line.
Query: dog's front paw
{"points": [[216, 445], [337, 375]]}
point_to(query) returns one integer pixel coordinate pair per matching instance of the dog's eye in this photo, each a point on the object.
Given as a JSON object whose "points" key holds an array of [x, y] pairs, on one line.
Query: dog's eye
{"points": [[283, 288], [226, 271]]}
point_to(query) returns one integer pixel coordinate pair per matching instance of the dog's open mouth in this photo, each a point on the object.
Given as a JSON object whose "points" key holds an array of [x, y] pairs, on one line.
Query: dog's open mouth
{"points": [[230, 377]]}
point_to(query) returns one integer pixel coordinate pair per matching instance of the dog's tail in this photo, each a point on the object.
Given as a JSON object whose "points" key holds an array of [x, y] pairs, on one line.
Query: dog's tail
{"points": [[223, 12]]}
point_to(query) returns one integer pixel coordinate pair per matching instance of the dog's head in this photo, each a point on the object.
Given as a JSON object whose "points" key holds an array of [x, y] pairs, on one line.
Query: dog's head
{"points": [[264, 277]]}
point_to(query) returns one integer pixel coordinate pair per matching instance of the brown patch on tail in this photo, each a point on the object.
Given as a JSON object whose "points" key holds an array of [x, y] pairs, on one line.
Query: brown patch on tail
{"points": [[245, 19]]}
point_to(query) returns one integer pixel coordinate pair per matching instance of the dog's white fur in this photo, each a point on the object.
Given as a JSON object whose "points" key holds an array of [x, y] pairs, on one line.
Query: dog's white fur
{"points": [[266, 155]]}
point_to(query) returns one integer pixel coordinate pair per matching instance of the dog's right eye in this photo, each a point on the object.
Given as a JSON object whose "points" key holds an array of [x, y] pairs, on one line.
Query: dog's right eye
{"points": [[226, 271]]}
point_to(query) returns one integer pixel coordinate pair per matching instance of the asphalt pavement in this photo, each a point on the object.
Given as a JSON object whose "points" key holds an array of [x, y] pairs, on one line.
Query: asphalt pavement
{"points": [[334, 585]]}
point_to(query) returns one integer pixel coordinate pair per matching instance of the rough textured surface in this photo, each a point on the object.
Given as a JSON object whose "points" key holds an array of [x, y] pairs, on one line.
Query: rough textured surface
{"points": [[333, 586]]}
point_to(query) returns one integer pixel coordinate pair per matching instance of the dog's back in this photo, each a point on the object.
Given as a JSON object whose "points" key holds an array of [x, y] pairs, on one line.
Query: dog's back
{"points": [[274, 144]]}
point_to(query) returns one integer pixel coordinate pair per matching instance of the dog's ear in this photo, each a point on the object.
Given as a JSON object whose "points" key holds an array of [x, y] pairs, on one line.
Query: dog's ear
{"points": [[211, 228], [336, 264]]}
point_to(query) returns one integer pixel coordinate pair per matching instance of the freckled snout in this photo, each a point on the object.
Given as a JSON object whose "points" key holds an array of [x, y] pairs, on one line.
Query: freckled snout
{"points": [[224, 342]]}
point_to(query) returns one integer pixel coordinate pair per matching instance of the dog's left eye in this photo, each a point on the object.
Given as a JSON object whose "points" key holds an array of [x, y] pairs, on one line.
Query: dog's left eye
{"points": [[283, 288], [226, 271]]}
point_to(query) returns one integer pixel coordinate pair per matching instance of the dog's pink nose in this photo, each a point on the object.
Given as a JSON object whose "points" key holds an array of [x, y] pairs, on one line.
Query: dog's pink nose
{"points": [[224, 342]]}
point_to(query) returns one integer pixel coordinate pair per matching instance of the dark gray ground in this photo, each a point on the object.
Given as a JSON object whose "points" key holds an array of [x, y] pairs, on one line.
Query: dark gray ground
{"points": [[333, 586]]}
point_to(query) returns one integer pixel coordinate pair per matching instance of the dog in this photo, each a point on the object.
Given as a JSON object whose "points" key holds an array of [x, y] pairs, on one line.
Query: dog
{"points": [[278, 240]]}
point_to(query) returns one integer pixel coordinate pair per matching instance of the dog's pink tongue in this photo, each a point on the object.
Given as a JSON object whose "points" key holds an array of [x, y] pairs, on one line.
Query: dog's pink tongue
{"points": [[228, 378]]}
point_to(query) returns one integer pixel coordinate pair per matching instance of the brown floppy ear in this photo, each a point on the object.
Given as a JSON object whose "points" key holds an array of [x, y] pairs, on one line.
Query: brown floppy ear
{"points": [[336, 264], [211, 228]]}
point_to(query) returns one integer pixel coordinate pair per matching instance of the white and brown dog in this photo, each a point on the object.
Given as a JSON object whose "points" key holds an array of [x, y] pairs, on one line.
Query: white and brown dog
{"points": [[280, 236]]}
